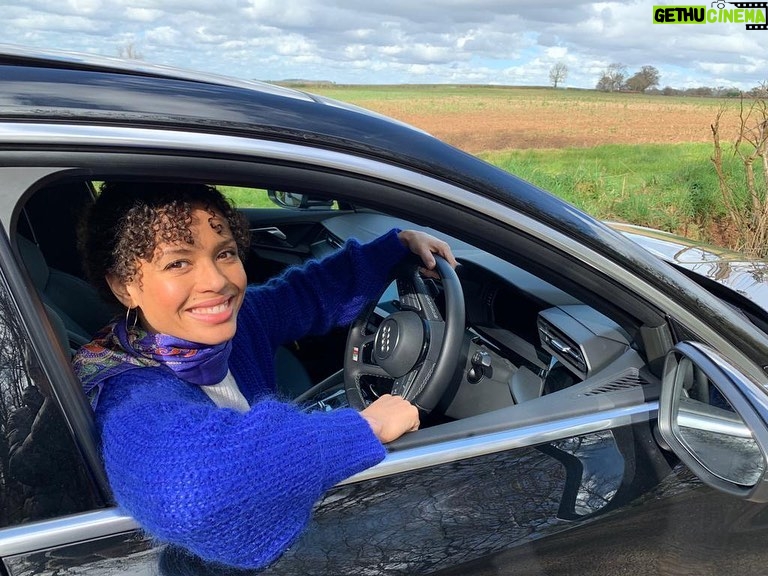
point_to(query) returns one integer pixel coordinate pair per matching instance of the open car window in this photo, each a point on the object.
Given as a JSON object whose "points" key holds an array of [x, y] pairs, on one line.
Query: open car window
{"points": [[537, 332]]}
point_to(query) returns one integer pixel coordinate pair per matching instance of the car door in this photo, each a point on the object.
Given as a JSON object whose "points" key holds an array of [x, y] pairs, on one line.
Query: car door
{"points": [[477, 491]]}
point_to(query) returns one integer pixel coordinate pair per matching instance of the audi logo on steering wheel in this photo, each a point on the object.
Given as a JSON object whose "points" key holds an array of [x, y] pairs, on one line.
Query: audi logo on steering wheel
{"points": [[386, 339]]}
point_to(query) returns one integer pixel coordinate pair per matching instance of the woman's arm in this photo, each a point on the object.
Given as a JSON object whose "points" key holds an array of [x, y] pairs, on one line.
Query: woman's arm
{"points": [[322, 294], [232, 488], [331, 292]]}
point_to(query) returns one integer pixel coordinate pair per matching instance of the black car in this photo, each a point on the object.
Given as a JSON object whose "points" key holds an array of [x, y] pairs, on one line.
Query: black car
{"points": [[595, 400]]}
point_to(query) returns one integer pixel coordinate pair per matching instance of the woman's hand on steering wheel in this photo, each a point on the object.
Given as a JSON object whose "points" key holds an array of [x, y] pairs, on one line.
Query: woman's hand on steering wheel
{"points": [[424, 246]]}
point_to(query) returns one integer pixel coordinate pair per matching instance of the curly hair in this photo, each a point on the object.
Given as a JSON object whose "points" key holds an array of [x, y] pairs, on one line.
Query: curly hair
{"points": [[129, 219]]}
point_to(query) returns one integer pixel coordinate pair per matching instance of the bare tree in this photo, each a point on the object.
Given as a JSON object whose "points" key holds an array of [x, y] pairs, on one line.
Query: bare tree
{"points": [[612, 77], [558, 73], [129, 52], [604, 84], [646, 77], [748, 211], [760, 91]]}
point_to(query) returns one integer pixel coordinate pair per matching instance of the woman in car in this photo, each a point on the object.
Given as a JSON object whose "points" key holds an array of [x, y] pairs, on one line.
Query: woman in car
{"points": [[196, 445]]}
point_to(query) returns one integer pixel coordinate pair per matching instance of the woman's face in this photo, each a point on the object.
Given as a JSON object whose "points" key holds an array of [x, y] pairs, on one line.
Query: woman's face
{"points": [[190, 291]]}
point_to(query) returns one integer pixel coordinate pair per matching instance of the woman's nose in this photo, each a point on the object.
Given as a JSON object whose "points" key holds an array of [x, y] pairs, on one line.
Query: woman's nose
{"points": [[211, 276]]}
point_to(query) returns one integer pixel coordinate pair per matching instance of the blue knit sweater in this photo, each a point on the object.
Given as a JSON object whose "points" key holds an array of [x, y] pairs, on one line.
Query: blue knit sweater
{"points": [[239, 488]]}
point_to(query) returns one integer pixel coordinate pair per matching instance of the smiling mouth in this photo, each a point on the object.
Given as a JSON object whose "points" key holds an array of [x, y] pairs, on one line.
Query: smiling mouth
{"points": [[219, 312], [213, 309]]}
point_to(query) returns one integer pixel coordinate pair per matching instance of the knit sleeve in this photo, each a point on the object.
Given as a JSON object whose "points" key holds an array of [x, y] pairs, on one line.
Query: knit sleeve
{"points": [[323, 294], [232, 488]]}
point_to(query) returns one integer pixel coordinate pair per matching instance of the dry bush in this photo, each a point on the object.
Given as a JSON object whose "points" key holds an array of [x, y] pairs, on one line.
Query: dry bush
{"points": [[747, 204]]}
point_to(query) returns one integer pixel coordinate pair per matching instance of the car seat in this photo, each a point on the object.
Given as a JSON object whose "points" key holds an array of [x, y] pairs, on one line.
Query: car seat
{"points": [[75, 301]]}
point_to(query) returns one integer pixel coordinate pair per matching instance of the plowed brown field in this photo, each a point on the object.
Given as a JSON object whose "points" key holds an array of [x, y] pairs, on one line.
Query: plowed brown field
{"points": [[479, 119], [529, 127]]}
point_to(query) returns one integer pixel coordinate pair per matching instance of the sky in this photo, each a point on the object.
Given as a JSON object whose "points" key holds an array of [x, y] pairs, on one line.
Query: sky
{"points": [[503, 42]]}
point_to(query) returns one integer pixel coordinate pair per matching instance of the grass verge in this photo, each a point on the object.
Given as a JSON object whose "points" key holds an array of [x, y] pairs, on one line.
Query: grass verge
{"points": [[672, 187]]}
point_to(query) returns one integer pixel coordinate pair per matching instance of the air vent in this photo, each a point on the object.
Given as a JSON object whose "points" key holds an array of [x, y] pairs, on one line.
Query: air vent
{"points": [[625, 382], [561, 345]]}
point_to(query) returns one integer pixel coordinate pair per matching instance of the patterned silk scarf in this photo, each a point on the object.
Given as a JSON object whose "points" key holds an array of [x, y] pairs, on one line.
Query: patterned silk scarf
{"points": [[117, 349]]}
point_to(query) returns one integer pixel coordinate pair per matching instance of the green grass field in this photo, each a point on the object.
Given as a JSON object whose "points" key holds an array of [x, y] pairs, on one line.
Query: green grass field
{"points": [[672, 187]]}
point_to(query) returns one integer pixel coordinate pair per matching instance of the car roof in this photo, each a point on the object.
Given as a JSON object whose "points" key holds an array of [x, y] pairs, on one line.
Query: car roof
{"points": [[10, 53], [40, 85]]}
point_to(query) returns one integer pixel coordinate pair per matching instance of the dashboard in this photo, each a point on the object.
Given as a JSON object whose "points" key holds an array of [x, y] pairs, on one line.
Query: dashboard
{"points": [[525, 337]]}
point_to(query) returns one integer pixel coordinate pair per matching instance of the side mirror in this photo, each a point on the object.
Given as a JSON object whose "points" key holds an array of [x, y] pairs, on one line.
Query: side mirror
{"points": [[298, 201], [714, 419]]}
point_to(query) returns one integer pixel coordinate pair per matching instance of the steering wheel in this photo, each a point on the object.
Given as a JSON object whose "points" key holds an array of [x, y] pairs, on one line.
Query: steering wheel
{"points": [[415, 346]]}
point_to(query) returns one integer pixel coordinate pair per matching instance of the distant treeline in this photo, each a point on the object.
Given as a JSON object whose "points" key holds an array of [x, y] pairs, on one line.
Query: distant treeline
{"points": [[299, 83], [709, 92], [700, 91]]}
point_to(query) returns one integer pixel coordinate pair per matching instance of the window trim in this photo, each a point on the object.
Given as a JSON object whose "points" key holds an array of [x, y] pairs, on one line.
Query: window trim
{"points": [[67, 530]]}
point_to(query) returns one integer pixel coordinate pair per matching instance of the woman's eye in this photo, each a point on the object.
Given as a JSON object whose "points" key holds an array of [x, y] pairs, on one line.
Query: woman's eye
{"points": [[227, 254], [176, 265]]}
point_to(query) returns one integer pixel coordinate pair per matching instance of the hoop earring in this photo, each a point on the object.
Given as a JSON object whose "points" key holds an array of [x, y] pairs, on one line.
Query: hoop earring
{"points": [[135, 317]]}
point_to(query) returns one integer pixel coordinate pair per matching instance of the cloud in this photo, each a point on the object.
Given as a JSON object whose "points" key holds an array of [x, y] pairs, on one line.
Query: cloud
{"points": [[142, 14], [395, 41]]}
